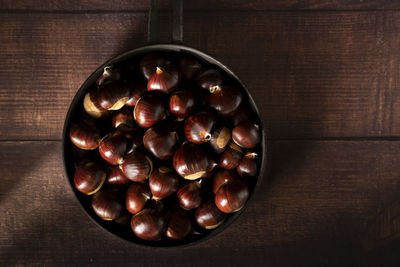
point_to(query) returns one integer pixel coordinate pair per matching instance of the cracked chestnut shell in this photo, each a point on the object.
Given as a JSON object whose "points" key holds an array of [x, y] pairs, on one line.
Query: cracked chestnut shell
{"points": [[164, 79], [112, 95], [191, 162], [188, 66], [112, 148], [179, 224], [246, 135], [160, 142], [248, 165], [182, 103], [222, 177], [150, 61], [136, 166], [225, 99], [220, 137], [116, 177], [208, 215], [136, 197], [148, 224], [231, 157], [107, 205], [190, 195], [232, 196], [149, 110], [89, 177], [163, 182], [209, 77], [197, 127], [85, 136]]}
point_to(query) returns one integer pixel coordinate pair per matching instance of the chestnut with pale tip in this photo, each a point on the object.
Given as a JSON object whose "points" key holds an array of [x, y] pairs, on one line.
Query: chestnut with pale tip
{"points": [[107, 205], [222, 177], [208, 215], [182, 103], [160, 142], [232, 196], [136, 166], [231, 157], [179, 224], [248, 165], [112, 95], [109, 73], [148, 224], [136, 197], [123, 120], [85, 136], [163, 182], [209, 77], [150, 61], [220, 137], [246, 135], [191, 161], [117, 178], [92, 107], [112, 148], [190, 195], [197, 127], [164, 79], [225, 99], [149, 110], [89, 177]]}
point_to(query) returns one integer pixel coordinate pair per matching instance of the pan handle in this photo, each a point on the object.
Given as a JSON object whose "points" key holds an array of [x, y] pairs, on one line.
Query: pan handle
{"points": [[177, 34]]}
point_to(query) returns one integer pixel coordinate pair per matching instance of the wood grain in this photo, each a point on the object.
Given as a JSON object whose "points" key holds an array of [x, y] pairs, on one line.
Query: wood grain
{"points": [[321, 204], [313, 75], [257, 5]]}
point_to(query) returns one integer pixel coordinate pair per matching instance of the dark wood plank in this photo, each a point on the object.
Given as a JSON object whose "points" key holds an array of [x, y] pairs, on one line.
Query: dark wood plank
{"points": [[116, 5], [321, 204], [313, 75]]}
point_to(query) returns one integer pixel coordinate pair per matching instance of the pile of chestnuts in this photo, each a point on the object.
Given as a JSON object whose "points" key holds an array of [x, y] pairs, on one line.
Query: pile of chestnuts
{"points": [[165, 145]]}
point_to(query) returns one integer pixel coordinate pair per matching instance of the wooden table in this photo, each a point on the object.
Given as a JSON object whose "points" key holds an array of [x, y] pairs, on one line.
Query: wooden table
{"points": [[325, 75]]}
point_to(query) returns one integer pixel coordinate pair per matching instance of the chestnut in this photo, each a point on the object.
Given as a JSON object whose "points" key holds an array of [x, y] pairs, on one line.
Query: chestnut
{"points": [[149, 110], [164, 79], [188, 67], [109, 73], [222, 177], [246, 135], [85, 136], [179, 224], [197, 127], [163, 182], [123, 120], [137, 90], [244, 113], [182, 103], [225, 99], [107, 205], [190, 195], [89, 177], [231, 157], [148, 224], [92, 107], [136, 166], [160, 142], [191, 162], [112, 95], [149, 63], [112, 148], [208, 215], [116, 177], [209, 77], [220, 137], [231, 196], [135, 140], [136, 197], [248, 165]]}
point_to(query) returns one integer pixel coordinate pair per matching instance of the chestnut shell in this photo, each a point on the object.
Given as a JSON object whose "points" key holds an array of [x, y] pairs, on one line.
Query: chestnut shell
{"points": [[231, 157], [163, 182], [92, 107], [107, 205], [225, 100], [220, 137], [85, 136], [148, 224], [248, 165], [246, 135], [112, 148], [149, 110], [160, 142], [231, 196], [197, 127], [136, 197], [136, 166], [182, 103], [208, 215], [89, 177], [112, 95], [190, 195]]}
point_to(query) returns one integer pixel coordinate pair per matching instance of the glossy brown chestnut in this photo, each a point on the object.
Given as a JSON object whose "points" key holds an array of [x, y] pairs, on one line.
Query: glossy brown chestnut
{"points": [[243, 114], [231, 157], [197, 127], [89, 177], [189, 67], [225, 99], [191, 162], [149, 110], [190, 195], [136, 197], [137, 90], [112, 95], [164, 79], [163, 182], [246, 135], [179, 224], [109, 73], [117, 178], [208, 78], [92, 107], [113, 147], [136, 166], [248, 165], [208, 215], [85, 136], [123, 120], [222, 177], [148, 225], [160, 142], [107, 205], [182, 103], [231, 196], [149, 63], [220, 137]]}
